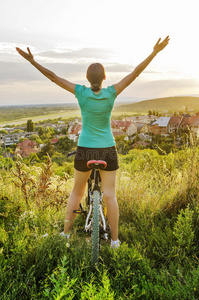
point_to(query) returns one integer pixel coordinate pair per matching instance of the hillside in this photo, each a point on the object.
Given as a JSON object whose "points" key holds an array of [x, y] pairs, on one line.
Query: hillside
{"points": [[161, 104], [158, 197]]}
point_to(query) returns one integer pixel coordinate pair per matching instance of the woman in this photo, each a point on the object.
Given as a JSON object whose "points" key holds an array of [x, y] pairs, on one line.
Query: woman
{"points": [[96, 140]]}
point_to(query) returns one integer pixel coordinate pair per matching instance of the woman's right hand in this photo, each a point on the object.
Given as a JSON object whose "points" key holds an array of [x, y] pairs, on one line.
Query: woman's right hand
{"points": [[160, 46], [27, 55]]}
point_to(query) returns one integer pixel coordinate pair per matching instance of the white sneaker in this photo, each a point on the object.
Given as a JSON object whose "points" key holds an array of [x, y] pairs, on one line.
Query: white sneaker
{"points": [[115, 244], [45, 235], [65, 235]]}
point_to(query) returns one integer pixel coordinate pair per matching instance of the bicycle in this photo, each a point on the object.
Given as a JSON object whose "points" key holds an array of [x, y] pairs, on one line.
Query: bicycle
{"points": [[95, 220]]}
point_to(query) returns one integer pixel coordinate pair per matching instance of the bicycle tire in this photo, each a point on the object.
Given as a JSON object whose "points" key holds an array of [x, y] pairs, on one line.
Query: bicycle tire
{"points": [[95, 229]]}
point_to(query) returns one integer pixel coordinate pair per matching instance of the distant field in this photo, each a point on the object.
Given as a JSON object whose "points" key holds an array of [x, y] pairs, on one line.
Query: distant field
{"points": [[11, 113], [20, 114], [64, 115]]}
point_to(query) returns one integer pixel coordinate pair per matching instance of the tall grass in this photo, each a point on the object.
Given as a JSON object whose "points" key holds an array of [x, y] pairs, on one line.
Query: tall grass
{"points": [[159, 231]]}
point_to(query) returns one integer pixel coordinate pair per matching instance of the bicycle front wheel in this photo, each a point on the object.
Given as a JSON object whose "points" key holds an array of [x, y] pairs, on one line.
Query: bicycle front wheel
{"points": [[96, 228]]}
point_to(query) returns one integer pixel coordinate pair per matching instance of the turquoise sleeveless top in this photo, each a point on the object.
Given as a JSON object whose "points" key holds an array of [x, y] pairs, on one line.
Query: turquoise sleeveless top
{"points": [[96, 115]]}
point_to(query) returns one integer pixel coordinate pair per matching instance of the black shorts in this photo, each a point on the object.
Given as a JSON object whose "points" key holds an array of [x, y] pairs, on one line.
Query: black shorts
{"points": [[83, 155]]}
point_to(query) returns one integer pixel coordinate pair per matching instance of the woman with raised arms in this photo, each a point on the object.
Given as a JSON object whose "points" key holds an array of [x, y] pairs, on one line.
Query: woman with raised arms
{"points": [[96, 140]]}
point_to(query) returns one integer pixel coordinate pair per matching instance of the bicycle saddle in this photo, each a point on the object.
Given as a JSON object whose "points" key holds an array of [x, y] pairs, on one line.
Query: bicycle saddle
{"points": [[98, 164]]}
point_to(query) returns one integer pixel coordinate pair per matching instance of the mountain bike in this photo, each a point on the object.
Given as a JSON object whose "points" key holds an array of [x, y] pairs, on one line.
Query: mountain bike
{"points": [[95, 223]]}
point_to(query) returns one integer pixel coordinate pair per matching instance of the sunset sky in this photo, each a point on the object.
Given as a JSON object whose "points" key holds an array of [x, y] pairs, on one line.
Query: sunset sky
{"points": [[66, 36]]}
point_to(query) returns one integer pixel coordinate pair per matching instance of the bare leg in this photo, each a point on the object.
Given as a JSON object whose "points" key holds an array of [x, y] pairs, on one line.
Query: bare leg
{"points": [[109, 195], [80, 179]]}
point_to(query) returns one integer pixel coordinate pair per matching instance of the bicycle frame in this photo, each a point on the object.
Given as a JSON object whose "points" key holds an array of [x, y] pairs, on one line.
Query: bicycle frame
{"points": [[94, 183], [95, 220]]}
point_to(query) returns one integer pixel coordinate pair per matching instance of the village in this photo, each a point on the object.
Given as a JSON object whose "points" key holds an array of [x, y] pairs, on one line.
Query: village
{"points": [[137, 130]]}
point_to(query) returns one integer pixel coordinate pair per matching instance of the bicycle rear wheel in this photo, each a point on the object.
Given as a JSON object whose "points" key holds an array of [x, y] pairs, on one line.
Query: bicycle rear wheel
{"points": [[95, 229]]}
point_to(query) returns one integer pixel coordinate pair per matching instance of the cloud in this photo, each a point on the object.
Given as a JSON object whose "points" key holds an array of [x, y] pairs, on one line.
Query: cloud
{"points": [[23, 71], [67, 63], [20, 80], [162, 88], [12, 71], [119, 68], [84, 53]]}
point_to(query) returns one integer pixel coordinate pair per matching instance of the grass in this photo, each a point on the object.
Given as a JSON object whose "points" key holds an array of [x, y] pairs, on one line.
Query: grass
{"points": [[159, 231]]}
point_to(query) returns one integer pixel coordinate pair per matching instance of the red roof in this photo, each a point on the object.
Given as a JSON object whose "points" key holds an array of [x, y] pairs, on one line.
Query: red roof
{"points": [[185, 121], [175, 120], [27, 147], [27, 152], [27, 144], [76, 128], [116, 133], [120, 124], [54, 141], [194, 120]]}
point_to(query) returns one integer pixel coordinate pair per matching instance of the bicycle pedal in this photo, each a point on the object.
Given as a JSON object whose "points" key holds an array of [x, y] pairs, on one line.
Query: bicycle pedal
{"points": [[78, 211]]}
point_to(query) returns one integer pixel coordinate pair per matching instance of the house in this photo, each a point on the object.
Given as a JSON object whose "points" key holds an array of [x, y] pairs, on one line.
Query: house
{"points": [[174, 124], [195, 124], [190, 123], [160, 126], [117, 133], [26, 147], [185, 123], [167, 125], [13, 138], [141, 119], [132, 129], [140, 144], [74, 131], [10, 139], [123, 127]]}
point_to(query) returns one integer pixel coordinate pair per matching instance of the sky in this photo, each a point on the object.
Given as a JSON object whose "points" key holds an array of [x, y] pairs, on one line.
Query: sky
{"points": [[67, 36]]}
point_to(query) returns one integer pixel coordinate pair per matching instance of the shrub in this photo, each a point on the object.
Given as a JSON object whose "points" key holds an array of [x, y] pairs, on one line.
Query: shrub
{"points": [[184, 233]]}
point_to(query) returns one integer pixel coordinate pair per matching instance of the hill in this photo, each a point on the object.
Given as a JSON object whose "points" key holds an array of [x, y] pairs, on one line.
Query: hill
{"points": [[160, 104]]}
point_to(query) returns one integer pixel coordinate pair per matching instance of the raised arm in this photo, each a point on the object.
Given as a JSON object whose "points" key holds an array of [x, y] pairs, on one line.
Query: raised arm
{"points": [[126, 81], [67, 85]]}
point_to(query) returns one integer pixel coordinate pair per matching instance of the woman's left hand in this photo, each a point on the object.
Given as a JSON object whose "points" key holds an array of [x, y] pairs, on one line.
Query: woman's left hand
{"points": [[160, 46]]}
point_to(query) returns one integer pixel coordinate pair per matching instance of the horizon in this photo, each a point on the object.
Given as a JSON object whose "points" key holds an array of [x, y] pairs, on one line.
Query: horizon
{"points": [[76, 103]]}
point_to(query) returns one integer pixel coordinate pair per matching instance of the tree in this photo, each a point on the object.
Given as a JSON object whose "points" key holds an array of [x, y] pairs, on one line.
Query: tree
{"points": [[41, 131], [3, 131], [30, 127], [65, 144], [21, 140], [47, 149], [64, 130], [17, 131], [36, 138], [122, 145]]}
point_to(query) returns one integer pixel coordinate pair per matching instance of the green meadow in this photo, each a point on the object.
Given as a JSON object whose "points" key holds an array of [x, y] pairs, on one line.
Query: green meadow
{"points": [[159, 231]]}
